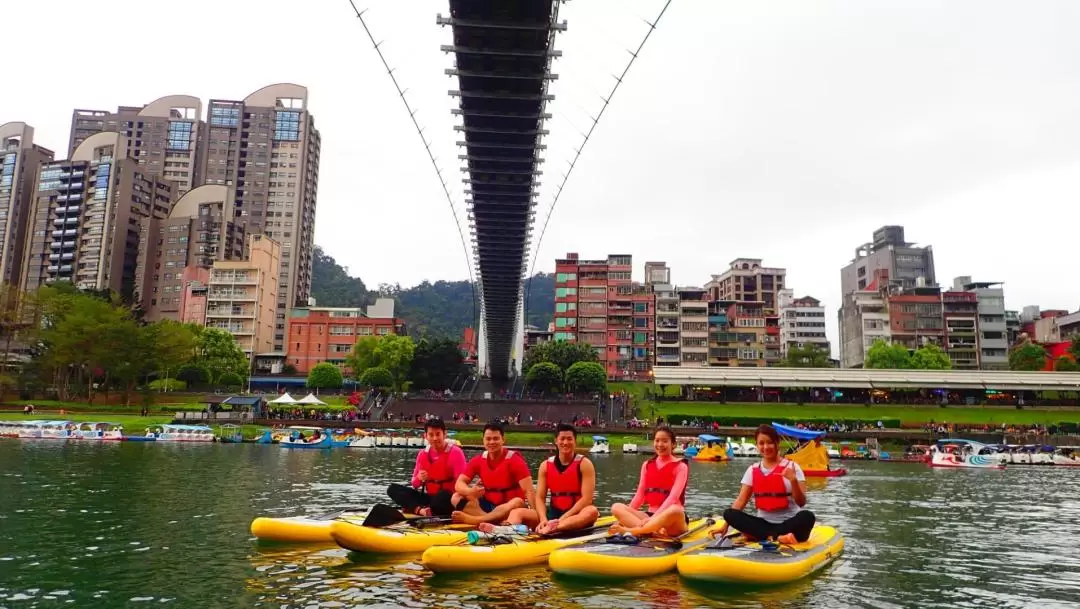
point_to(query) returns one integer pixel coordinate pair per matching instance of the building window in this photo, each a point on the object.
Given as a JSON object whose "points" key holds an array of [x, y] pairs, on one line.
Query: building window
{"points": [[179, 137], [286, 126], [224, 116]]}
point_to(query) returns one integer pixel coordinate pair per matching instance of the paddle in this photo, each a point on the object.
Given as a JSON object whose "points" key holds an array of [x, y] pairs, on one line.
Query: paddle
{"points": [[382, 515]]}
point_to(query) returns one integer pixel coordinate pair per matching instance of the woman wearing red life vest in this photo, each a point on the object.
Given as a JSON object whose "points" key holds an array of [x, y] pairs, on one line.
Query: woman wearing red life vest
{"points": [[778, 487], [570, 479], [662, 488]]}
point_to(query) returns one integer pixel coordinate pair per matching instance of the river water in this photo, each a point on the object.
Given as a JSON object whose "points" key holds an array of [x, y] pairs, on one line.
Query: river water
{"points": [[131, 524]]}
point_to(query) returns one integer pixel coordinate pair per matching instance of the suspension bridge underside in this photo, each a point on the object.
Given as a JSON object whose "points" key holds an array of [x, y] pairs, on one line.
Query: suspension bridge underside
{"points": [[503, 51]]}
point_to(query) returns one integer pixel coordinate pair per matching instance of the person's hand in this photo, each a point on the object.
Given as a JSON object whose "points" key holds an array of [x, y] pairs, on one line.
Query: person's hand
{"points": [[476, 492], [789, 472], [422, 476], [718, 531]]}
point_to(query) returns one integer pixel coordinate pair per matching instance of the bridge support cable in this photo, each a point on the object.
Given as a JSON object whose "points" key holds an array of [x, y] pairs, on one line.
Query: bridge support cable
{"points": [[577, 151], [427, 148]]}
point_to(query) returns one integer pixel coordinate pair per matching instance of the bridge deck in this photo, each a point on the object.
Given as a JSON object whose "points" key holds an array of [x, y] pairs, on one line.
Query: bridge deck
{"points": [[503, 52]]}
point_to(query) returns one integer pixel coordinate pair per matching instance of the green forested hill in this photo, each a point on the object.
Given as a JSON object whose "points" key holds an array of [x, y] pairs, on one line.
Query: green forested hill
{"points": [[439, 309]]}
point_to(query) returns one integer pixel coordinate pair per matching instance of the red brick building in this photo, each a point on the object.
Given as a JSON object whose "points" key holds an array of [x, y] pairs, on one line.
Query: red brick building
{"points": [[327, 334], [915, 317], [597, 303]]}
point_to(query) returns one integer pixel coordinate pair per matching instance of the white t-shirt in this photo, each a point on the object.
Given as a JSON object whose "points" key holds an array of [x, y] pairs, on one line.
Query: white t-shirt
{"points": [[792, 508]]}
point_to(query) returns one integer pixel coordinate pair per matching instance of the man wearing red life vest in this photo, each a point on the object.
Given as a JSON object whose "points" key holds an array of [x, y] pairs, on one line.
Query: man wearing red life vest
{"points": [[778, 487], [437, 469], [505, 482], [662, 488], [571, 480]]}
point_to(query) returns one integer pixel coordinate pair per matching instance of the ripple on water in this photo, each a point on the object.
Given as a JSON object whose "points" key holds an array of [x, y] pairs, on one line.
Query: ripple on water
{"points": [[915, 536]]}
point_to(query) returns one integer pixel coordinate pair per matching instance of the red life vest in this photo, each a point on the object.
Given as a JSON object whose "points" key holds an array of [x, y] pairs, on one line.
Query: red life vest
{"points": [[437, 466], [564, 486], [770, 492], [498, 485], [659, 481]]}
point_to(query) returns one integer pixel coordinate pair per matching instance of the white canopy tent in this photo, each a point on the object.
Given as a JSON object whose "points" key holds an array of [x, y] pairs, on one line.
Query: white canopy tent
{"points": [[284, 399], [311, 399]]}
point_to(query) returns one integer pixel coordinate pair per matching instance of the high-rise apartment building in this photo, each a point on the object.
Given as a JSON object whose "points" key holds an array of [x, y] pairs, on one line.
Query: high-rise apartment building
{"points": [[961, 315], [87, 218], [747, 281], [693, 326], [242, 296], [597, 303], [993, 327], [266, 145], [196, 234], [915, 317], [20, 159], [162, 136], [886, 263], [864, 319], [802, 323], [906, 264]]}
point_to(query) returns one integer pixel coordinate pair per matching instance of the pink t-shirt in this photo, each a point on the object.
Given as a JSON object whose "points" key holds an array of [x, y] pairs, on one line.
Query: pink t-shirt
{"points": [[455, 460]]}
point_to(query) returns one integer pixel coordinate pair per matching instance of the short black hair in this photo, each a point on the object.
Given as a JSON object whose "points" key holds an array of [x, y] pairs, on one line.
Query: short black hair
{"points": [[434, 423], [561, 427], [493, 426]]}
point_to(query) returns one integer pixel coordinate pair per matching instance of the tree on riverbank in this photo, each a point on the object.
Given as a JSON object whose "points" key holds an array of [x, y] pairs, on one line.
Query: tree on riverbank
{"points": [[1027, 356], [544, 376], [883, 355], [436, 364], [325, 375], [930, 357], [586, 377], [563, 354], [392, 352], [807, 357]]}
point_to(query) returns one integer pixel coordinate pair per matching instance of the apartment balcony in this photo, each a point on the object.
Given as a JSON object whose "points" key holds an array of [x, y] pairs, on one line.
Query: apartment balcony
{"points": [[772, 355], [771, 340], [667, 341], [718, 319], [772, 330]]}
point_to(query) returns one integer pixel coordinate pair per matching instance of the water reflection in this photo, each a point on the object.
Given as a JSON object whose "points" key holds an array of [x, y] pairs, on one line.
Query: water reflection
{"points": [[111, 525]]}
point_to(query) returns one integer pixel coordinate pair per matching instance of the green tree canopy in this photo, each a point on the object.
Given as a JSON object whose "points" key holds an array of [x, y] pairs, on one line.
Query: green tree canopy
{"points": [[325, 375], [930, 357], [1027, 356], [887, 356], [218, 351], [230, 380], [392, 352], [583, 377], [436, 364], [809, 356], [1074, 348], [1066, 363], [193, 374], [377, 377], [545, 376], [563, 354]]}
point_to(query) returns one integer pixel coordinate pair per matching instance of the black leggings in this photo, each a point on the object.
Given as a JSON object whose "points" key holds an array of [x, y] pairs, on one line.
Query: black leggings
{"points": [[409, 499], [799, 525]]}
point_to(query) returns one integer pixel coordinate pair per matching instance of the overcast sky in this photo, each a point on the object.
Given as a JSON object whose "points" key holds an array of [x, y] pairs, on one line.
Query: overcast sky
{"points": [[787, 131]]}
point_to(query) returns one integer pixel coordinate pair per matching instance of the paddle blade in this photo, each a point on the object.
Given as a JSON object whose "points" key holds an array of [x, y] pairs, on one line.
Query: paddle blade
{"points": [[382, 515]]}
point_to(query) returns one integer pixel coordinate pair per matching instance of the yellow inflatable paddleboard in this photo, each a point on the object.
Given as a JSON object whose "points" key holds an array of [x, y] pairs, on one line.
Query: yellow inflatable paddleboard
{"points": [[395, 539], [299, 529], [521, 551], [650, 556], [748, 563]]}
